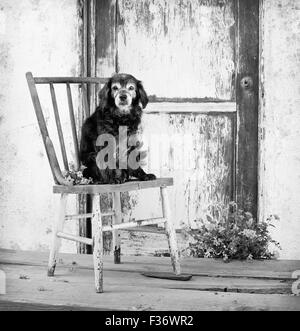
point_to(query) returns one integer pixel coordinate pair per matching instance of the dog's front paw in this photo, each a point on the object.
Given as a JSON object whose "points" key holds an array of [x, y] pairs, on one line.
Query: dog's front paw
{"points": [[149, 177], [119, 181]]}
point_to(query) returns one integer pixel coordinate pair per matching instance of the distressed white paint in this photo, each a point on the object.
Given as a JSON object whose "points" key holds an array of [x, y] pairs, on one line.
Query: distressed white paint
{"points": [[280, 120], [40, 36], [199, 108], [180, 48], [196, 150]]}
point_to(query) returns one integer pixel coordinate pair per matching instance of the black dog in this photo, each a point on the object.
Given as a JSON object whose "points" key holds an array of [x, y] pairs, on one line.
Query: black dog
{"points": [[122, 101]]}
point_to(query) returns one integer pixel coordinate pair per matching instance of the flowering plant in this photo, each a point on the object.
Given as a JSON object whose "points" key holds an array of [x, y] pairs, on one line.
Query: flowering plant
{"points": [[76, 177], [232, 234]]}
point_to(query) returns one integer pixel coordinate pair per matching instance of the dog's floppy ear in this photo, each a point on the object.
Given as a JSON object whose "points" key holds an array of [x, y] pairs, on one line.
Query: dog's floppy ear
{"points": [[143, 97], [104, 95]]}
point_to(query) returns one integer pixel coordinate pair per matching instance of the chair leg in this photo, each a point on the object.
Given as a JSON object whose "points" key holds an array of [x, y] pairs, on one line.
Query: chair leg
{"points": [[56, 242], [98, 243], [117, 219], [170, 230]]}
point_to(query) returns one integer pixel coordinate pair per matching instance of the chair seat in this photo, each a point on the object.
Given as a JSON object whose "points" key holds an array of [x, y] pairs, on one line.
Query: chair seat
{"points": [[126, 187]]}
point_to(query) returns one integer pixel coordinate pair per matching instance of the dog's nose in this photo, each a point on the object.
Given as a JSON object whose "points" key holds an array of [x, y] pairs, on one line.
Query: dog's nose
{"points": [[123, 97]]}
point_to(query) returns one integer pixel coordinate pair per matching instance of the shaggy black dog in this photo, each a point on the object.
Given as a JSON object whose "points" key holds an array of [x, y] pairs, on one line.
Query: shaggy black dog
{"points": [[122, 101]]}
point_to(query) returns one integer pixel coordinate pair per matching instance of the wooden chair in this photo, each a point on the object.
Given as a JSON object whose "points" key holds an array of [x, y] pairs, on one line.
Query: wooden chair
{"points": [[63, 187]]}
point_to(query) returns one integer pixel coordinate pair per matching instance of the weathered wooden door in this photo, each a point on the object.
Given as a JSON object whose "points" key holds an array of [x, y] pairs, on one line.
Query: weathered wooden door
{"points": [[198, 60]]}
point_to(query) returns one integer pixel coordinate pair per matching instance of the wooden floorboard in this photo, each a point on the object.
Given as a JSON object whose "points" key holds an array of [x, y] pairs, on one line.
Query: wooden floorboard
{"points": [[126, 288], [281, 270], [21, 306]]}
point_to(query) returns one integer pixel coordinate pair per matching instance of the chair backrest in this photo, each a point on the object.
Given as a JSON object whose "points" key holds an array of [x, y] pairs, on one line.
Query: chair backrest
{"points": [[85, 84]]}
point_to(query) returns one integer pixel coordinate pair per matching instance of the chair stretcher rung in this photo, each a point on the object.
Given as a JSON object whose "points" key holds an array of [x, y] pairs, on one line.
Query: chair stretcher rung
{"points": [[78, 217], [123, 226], [70, 237], [112, 213], [83, 216], [135, 224]]}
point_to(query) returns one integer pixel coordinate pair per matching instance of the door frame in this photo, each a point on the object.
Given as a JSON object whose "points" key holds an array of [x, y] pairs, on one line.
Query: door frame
{"points": [[247, 99], [246, 120]]}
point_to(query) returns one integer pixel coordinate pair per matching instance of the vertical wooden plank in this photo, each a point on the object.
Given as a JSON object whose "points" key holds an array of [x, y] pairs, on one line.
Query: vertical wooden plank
{"points": [[117, 219], [262, 116], [59, 128], [105, 54], [85, 37], [106, 37], [98, 244], [247, 86], [73, 125], [91, 52], [82, 200]]}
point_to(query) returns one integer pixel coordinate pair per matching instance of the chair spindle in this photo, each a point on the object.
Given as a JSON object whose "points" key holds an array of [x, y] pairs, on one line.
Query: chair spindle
{"points": [[73, 125], [85, 101], [59, 127]]}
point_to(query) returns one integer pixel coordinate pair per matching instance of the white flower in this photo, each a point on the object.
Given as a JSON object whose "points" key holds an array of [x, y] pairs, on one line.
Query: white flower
{"points": [[250, 234], [210, 227]]}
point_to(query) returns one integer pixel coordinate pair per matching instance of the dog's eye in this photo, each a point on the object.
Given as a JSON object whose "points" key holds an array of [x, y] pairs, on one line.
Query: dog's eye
{"points": [[115, 88], [131, 88]]}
